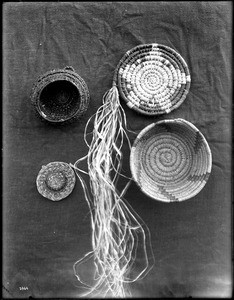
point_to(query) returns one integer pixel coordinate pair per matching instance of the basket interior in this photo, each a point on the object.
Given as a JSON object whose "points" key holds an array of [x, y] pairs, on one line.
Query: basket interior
{"points": [[59, 100]]}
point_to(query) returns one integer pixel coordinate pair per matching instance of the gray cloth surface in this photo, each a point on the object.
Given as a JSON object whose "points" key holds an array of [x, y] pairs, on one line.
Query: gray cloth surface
{"points": [[191, 240]]}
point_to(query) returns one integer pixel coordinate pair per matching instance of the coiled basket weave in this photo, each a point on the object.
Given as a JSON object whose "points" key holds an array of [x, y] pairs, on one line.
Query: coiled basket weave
{"points": [[55, 181], [60, 96], [171, 160], [153, 79]]}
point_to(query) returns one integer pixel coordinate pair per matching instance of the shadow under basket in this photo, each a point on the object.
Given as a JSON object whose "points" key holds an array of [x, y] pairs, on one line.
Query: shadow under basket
{"points": [[60, 96]]}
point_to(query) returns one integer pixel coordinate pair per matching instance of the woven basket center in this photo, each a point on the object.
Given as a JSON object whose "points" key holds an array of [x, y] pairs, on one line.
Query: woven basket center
{"points": [[166, 158], [56, 181], [153, 80]]}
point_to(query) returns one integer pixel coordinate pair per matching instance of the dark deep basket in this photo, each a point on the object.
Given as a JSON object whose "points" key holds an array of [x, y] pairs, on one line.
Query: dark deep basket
{"points": [[60, 96]]}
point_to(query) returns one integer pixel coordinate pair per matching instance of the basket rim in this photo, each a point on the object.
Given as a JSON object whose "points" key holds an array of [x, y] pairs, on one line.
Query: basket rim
{"points": [[170, 121]]}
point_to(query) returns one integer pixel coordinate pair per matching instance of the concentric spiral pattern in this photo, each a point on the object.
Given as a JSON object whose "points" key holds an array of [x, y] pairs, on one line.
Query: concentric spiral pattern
{"points": [[171, 160], [55, 181], [60, 96], [153, 79]]}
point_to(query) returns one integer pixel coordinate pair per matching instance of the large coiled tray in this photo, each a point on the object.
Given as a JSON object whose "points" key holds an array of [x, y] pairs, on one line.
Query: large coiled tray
{"points": [[153, 79], [171, 160]]}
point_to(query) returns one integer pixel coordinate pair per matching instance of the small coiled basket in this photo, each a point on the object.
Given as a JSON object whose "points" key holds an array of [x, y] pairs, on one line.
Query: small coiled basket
{"points": [[171, 160], [55, 181], [60, 96], [153, 79]]}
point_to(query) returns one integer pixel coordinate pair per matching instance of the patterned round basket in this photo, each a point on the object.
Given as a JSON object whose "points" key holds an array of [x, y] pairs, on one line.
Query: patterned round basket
{"points": [[153, 79], [55, 181], [60, 96], [171, 160]]}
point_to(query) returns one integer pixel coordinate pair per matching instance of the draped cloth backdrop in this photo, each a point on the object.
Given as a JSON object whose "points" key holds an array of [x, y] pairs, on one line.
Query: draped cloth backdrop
{"points": [[191, 240]]}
